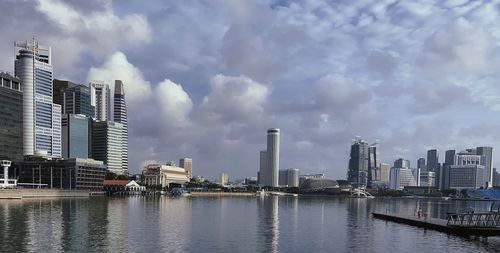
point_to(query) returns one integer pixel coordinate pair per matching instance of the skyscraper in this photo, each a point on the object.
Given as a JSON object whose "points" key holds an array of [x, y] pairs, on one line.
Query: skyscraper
{"points": [[187, 164], [402, 163], [270, 160], [487, 152], [432, 160], [373, 165], [76, 139], [100, 99], [11, 118], [76, 100], [107, 145], [41, 117], [357, 172], [421, 164], [120, 116]]}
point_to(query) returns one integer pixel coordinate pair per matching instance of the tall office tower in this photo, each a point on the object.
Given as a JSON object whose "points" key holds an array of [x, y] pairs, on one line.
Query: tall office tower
{"points": [[76, 139], [120, 116], [100, 99], [263, 168], [11, 118], [187, 164], [402, 163], [76, 100], [487, 152], [357, 173], [58, 87], [442, 178], [373, 165], [41, 117], [107, 145], [432, 160], [449, 157], [273, 157], [421, 164]]}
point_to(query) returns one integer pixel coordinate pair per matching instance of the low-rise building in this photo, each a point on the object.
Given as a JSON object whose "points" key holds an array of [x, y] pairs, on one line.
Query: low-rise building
{"points": [[164, 175], [465, 177]]}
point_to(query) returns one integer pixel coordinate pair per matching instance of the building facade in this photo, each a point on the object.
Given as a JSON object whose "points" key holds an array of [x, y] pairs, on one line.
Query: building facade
{"points": [[401, 177], [357, 173], [164, 175], [270, 160], [120, 116], [100, 99], [57, 173], [421, 164], [107, 145], [432, 160], [487, 152], [289, 178], [224, 178], [11, 118], [187, 164], [41, 117], [402, 163], [76, 136], [465, 177]]}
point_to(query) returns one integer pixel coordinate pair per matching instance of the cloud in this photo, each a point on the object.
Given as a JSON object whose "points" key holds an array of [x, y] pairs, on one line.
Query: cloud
{"points": [[175, 104], [117, 67]]}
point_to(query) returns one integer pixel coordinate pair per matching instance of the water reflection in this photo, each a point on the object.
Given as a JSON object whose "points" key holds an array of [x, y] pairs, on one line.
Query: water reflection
{"points": [[268, 223]]}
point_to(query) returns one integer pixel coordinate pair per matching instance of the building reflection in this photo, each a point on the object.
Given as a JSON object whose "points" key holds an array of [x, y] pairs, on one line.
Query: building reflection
{"points": [[13, 227], [268, 224]]}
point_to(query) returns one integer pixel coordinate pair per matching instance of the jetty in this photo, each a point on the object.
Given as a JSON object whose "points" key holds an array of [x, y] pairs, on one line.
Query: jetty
{"points": [[466, 224]]}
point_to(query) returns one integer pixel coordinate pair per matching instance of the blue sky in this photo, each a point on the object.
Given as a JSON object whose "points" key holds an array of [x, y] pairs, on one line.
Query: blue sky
{"points": [[205, 79]]}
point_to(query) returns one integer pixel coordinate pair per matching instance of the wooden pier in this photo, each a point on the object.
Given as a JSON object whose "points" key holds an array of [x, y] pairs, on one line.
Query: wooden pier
{"points": [[481, 224]]}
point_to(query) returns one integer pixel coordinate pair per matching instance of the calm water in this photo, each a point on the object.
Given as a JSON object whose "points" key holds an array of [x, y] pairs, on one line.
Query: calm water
{"points": [[239, 224]]}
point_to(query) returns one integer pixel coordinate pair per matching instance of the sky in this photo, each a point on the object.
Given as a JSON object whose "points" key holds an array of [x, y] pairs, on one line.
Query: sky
{"points": [[206, 78]]}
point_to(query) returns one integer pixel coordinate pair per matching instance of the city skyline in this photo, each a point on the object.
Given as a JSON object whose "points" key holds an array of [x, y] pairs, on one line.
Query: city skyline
{"points": [[321, 80]]}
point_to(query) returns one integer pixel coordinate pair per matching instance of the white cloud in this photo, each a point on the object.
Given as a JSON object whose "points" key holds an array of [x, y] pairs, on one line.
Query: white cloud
{"points": [[117, 67], [175, 104]]}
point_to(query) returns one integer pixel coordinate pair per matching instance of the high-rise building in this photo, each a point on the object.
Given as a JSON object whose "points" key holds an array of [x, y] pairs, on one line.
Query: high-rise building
{"points": [[270, 160], [100, 99], [427, 178], [384, 172], [224, 178], [41, 117], [449, 157], [432, 160], [401, 177], [11, 118], [187, 164], [289, 178], [465, 177], [421, 164], [73, 98], [373, 165], [402, 163], [120, 116], [107, 145], [357, 173], [76, 136], [487, 152], [58, 87]]}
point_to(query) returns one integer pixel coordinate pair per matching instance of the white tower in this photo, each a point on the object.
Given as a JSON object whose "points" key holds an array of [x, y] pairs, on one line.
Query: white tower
{"points": [[273, 156], [100, 99]]}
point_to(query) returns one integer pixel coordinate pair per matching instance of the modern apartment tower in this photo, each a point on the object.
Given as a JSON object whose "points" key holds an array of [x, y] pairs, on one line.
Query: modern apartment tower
{"points": [[41, 117], [357, 173], [107, 145], [100, 99], [120, 116], [187, 164], [270, 160], [11, 118]]}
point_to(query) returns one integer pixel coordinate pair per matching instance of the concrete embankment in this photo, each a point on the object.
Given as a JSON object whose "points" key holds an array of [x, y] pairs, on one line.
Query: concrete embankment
{"points": [[223, 194], [44, 193]]}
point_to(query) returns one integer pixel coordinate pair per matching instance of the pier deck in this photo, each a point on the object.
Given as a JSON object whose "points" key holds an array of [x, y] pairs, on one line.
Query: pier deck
{"points": [[438, 225]]}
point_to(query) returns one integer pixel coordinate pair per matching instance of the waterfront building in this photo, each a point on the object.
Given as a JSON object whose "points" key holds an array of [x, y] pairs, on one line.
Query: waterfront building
{"points": [[107, 145], [120, 116], [73, 98], [320, 186], [373, 164], [58, 87], [384, 172], [468, 176], [289, 178], [224, 178], [304, 177], [357, 172], [58, 173], [41, 117], [487, 152], [269, 160], [100, 99], [427, 178], [76, 139], [187, 164], [401, 177], [164, 175], [11, 118]]}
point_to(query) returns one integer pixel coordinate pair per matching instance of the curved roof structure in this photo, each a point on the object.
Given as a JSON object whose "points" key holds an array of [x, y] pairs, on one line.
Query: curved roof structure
{"points": [[318, 184]]}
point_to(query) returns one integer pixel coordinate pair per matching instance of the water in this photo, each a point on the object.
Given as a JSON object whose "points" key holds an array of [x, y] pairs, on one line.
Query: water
{"points": [[230, 224]]}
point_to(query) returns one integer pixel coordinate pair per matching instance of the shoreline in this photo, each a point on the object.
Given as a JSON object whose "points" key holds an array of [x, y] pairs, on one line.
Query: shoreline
{"points": [[45, 193]]}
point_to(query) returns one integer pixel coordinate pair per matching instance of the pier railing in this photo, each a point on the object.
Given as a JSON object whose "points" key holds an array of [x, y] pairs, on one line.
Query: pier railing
{"points": [[477, 220]]}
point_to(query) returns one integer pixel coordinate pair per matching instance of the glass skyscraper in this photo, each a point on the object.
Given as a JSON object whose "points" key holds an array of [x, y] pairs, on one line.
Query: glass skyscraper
{"points": [[75, 136], [120, 116], [73, 98], [11, 118], [41, 117], [107, 144]]}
